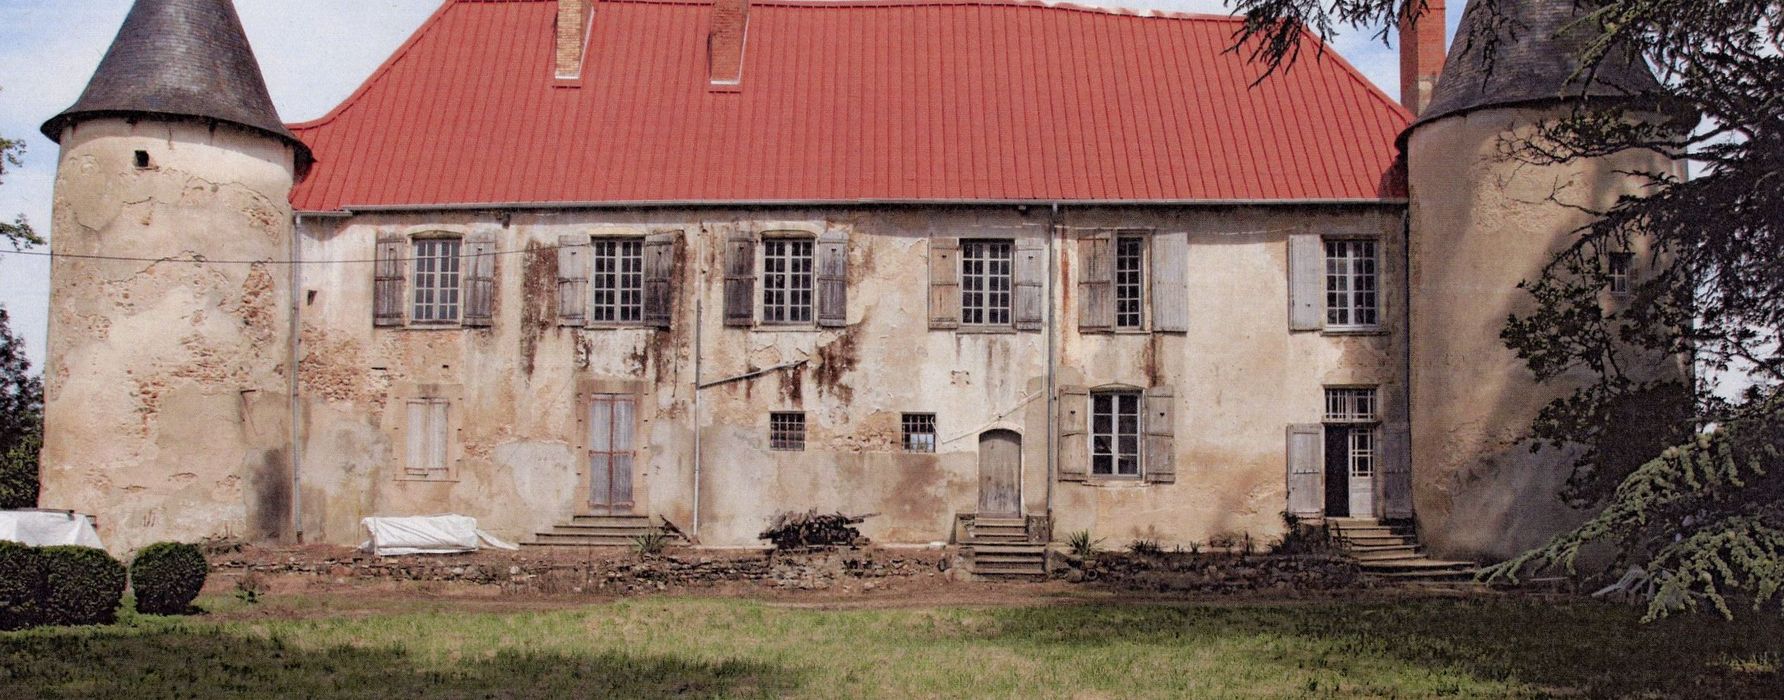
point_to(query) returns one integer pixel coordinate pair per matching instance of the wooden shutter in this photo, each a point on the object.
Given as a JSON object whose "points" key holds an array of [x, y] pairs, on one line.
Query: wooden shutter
{"points": [[479, 264], [1170, 283], [659, 270], [415, 438], [437, 434], [572, 275], [1306, 283], [1396, 472], [388, 278], [1074, 424], [1096, 288], [944, 283], [833, 279], [740, 280], [1161, 444], [1307, 470], [1030, 270]]}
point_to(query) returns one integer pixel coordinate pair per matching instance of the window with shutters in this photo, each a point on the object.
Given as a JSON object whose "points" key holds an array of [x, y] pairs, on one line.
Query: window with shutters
{"points": [[1352, 296], [1618, 271], [919, 432], [426, 434], [1115, 433], [787, 281], [786, 431], [986, 282], [436, 283], [618, 281], [1130, 282]]}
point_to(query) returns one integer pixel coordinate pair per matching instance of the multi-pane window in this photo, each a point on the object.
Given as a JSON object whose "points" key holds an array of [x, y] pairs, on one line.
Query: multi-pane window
{"points": [[618, 282], [1130, 260], [786, 431], [1619, 272], [1351, 293], [1115, 433], [1351, 405], [787, 280], [985, 268], [436, 280], [919, 432], [426, 435], [1357, 407]]}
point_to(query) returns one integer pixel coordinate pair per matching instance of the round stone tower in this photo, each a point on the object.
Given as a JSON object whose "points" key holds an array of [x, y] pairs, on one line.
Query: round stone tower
{"points": [[1480, 223], [166, 386]]}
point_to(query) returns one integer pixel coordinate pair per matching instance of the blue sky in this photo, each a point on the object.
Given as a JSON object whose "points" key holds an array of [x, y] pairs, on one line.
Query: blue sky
{"points": [[314, 54]]}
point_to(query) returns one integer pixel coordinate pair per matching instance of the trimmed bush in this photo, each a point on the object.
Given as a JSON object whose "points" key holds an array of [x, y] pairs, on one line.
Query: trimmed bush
{"points": [[81, 586], [21, 584], [167, 577]]}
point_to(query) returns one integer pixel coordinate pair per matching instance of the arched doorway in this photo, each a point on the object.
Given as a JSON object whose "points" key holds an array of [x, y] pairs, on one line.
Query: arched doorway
{"points": [[1000, 470]]}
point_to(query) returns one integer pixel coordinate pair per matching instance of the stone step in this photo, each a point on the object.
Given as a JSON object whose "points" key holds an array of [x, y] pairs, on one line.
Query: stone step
{"points": [[1012, 548], [1004, 522], [1386, 553], [1433, 576], [602, 530], [981, 539], [1375, 531], [1350, 522], [612, 520], [1376, 540]]}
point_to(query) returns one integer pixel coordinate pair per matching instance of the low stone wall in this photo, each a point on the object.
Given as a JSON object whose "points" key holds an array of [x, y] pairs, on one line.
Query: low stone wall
{"points": [[1215, 573], [604, 572]]}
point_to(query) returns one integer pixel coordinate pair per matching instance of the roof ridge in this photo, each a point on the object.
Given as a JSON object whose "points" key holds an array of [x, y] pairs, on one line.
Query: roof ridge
{"points": [[844, 4]]}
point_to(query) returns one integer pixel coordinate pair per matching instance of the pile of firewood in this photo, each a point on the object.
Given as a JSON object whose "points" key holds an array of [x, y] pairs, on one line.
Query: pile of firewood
{"points": [[793, 530]]}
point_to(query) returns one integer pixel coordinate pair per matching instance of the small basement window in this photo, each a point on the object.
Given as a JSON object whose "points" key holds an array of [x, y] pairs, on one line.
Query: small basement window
{"points": [[919, 432], [786, 431]]}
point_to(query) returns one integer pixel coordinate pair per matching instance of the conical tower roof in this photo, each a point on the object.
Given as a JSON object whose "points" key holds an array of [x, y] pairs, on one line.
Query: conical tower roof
{"points": [[1516, 52], [180, 58]]}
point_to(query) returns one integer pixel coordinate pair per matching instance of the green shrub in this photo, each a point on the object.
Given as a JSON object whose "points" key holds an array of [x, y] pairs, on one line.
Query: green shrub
{"points": [[650, 543], [21, 583], [167, 576], [1081, 544], [1146, 547], [81, 586]]}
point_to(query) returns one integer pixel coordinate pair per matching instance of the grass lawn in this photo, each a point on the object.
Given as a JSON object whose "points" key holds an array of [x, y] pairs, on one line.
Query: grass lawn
{"points": [[314, 647]]}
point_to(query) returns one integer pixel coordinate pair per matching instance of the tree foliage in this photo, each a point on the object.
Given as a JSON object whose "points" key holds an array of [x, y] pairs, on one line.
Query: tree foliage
{"points": [[21, 421], [19, 231], [1686, 471]]}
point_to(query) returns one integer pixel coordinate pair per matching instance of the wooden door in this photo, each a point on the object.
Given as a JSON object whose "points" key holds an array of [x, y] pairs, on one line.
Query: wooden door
{"points": [[1361, 467], [610, 453], [1306, 470], [1000, 467]]}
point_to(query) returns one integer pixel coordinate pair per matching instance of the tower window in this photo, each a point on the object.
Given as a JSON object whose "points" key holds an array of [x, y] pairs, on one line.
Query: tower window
{"points": [[142, 160], [1619, 272]]}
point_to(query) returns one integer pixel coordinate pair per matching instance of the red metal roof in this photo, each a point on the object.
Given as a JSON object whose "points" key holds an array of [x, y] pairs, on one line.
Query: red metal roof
{"points": [[944, 100]]}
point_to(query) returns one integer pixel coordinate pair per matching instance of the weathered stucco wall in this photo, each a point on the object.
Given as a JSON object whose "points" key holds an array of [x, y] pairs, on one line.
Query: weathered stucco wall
{"points": [[166, 396], [1480, 224], [1240, 376]]}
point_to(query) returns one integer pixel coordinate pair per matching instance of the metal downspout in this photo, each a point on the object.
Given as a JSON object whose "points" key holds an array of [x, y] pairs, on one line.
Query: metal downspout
{"points": [[1052, 359], [699, 323], [293, 347]]}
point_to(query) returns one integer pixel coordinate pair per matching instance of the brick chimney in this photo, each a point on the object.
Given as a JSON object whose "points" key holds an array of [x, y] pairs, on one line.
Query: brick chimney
{"points": [[573, 21], [1421, 53], [724, 45]]}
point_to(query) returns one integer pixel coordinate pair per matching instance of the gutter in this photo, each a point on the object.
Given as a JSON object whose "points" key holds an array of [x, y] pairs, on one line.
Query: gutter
{"points": [[353, 210], [1053, 292], [292, 385]]}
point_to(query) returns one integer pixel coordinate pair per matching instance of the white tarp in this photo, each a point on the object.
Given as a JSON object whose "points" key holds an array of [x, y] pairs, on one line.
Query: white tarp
{"points": [[434, 534], [44, 528]]}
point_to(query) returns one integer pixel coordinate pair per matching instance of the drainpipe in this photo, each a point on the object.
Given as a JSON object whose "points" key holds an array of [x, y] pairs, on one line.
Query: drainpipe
{"points": [[1052, 360], [699, 323], [295, 280]]}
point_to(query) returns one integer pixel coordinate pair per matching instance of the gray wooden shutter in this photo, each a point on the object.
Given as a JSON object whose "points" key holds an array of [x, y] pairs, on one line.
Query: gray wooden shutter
{"points": [[1096, 289], [659, 270], [833, 279], [1161, 442], [944, 283], [572, 276], [1306, 283], [388, 280], [1306, 470], [740, 280], [1396, 474], [479, 264], [1170, 283], [1074, 443], [1031, 269]]}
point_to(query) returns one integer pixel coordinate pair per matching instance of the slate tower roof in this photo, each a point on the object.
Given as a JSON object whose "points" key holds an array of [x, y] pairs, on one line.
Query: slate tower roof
{"points": [[1515, 52], [180, 58]]}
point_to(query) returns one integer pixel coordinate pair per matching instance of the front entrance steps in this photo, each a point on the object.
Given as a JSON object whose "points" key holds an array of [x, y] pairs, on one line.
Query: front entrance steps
{"points": [[601, 531], [1002, 548], [1390, 550]]}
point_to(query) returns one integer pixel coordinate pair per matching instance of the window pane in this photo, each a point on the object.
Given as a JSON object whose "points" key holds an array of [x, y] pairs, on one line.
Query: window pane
{"points": [[787, 280], [1115, 433], [436, 282], [1129, 282], [618, 282], [985, 282]]}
